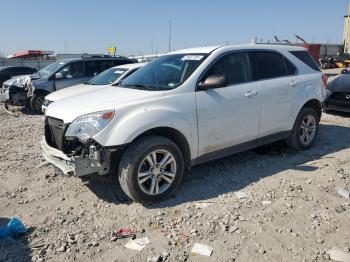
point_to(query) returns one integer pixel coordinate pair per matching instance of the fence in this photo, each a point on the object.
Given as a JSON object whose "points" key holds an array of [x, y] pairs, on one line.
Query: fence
{"points": [[37, 64]]}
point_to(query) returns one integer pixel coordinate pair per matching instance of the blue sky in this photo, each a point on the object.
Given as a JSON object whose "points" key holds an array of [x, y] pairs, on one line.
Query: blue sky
{"points": [[92, 26]]}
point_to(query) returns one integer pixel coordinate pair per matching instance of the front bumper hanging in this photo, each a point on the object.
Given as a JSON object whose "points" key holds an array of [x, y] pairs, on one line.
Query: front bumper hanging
{"points": [[73, 165]]}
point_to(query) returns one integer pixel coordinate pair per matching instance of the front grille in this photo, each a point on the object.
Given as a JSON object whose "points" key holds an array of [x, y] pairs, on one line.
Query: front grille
{"points": [[341, 96], [54, 132], [54, 135], [339, 99]]}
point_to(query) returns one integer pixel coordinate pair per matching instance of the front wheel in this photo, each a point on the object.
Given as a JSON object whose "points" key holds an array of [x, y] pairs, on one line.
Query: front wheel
{"points": [[36, 102], [305, 130], [151, 169]]}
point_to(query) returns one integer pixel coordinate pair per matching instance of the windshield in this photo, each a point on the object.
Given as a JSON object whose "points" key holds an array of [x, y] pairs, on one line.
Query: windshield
{"points": [[50, 69], [165, 73], [107, 77]]}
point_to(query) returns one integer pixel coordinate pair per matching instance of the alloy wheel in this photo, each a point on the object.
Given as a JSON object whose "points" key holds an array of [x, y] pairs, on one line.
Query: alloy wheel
{"points": [[307, 130], [157, 172]]}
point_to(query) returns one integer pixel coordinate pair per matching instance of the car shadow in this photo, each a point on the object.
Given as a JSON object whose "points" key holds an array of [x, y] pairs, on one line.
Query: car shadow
{"points": [[15, 249], [234, 173]]}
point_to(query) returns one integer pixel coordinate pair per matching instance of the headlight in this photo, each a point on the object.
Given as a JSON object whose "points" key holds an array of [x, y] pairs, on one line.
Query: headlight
{"points": [[47, 102], [89, 125]]}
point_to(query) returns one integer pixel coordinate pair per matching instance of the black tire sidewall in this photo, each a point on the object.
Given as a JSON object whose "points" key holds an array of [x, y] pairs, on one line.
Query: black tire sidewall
{"points": [[296, 129], [130, 177], [33, 101]]}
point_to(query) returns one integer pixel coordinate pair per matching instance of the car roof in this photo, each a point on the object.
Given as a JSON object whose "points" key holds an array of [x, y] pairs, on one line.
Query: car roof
{"points": [[5, 67], [130, 66], [209, 49], [89, 58]]}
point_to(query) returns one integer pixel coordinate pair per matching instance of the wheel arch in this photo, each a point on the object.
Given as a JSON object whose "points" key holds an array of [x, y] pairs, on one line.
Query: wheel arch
{"points": [[174, 135], [314, 104]]}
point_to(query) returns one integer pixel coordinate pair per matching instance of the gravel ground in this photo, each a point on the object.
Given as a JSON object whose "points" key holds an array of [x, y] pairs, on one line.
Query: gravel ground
{"points": [[291, 211]]}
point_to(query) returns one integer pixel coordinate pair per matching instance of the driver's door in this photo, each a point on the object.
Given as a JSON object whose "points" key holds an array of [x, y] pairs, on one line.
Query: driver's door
{"points": [[73, 74], [229, 115]]}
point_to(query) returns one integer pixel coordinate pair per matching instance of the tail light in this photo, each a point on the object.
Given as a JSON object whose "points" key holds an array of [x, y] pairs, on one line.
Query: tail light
{"points": [[325, 80]]}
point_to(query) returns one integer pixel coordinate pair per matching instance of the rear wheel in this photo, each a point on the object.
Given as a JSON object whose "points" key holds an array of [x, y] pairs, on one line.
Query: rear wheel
{"points": [[36, 102], [151, 169], [305, 130]]}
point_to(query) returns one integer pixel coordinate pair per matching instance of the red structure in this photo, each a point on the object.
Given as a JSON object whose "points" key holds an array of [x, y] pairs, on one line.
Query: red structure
{"points": [[32, 54], [314, 50]]}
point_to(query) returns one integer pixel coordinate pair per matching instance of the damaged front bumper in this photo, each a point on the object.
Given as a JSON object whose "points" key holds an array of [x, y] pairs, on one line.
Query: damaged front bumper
{"points": [[4, 94], [14, 95], [74, 165]]}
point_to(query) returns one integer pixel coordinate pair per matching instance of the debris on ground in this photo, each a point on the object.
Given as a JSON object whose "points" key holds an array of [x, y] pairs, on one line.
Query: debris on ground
{"points": [[338, 255], [123, 233], [241, 194], [202, 249], [344, 193], [137, 244], [13, 228]]}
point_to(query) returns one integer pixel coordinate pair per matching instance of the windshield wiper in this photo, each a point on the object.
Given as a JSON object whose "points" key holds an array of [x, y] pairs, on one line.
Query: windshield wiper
{"points": [[138, 87]]}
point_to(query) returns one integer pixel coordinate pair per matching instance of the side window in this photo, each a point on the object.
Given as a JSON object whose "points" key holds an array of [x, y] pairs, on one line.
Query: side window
{"points": [[73, 70], [270, 65], [291, 69], [235, 67], [307, 59], [92, 68]]}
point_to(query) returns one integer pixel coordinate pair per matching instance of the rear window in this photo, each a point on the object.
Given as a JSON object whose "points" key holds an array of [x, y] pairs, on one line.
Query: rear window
{"points": [[306, 58], [272, 65]]}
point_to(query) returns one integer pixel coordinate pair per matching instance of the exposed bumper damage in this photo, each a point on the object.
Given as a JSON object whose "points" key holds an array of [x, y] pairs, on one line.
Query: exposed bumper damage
{"points": [[91, 162], [16, 91]]}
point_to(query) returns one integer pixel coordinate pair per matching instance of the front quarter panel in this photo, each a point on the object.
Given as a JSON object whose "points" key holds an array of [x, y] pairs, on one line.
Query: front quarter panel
{"points": [[176, 111]]}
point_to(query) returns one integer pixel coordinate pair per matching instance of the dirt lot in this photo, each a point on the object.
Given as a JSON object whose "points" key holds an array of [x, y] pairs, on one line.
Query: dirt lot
{"points": [[291, 213]]}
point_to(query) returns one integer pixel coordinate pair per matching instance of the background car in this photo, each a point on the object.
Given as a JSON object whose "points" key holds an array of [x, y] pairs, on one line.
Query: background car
{"points": [[6, 72], [108, 77], [58, 75], [338, 98]]}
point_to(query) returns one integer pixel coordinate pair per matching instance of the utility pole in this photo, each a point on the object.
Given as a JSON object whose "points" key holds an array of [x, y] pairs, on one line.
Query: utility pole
{"points": [[65, 46], [152, 40], [169, 35]]}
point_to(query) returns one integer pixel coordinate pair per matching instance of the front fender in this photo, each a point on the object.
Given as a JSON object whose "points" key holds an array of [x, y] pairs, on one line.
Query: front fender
{"points": [[124, 129]]}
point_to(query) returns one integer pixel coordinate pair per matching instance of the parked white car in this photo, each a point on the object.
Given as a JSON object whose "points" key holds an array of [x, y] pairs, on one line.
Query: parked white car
{"points": [[185, 108], [108, 77]]}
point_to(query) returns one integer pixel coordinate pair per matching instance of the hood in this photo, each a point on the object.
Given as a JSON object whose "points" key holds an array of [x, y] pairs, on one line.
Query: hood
{"points": [[340, 84], [73, 91], [107, 98], [21, 81]]}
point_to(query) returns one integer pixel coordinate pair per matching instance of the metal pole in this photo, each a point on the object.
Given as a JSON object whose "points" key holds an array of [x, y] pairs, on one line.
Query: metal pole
{"points": [[169, 35]]}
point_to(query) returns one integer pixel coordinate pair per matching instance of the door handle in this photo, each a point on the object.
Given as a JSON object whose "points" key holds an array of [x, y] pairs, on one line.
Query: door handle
{"points": [[251, 93], [293, 83]]}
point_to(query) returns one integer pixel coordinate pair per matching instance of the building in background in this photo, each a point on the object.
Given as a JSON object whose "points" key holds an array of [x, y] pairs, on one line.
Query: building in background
{"points": [[346, 33]]}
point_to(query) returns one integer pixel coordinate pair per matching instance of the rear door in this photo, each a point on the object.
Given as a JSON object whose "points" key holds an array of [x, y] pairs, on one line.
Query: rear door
{"points": [[277, 82]]}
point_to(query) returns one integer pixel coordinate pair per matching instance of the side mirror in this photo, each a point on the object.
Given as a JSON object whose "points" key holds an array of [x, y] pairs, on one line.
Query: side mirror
{"points": [[58, 76], [213, 81], [344, 71]]}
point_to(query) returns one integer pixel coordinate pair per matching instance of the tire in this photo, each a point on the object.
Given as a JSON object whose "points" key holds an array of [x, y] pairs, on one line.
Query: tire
{"points": [[36, 102], [135, 164], [296, 140]]}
